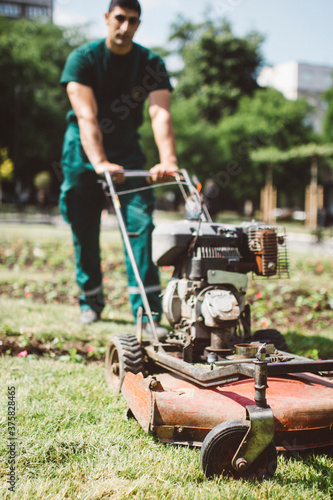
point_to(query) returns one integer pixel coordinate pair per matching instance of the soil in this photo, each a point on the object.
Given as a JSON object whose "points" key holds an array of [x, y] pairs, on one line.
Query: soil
{"points": [[309, 316], [40, 349]]}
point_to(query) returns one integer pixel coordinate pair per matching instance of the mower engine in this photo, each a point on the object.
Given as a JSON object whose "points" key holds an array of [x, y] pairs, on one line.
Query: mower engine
{"points": [[205, 299]]}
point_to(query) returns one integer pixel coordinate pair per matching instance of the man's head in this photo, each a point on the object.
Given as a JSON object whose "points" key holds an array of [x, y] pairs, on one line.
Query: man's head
{"points": [[123, 20], [126, 4]]}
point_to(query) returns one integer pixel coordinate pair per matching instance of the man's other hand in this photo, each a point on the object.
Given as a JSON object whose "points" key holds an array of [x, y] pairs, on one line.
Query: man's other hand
{"points": [[161, 172]]}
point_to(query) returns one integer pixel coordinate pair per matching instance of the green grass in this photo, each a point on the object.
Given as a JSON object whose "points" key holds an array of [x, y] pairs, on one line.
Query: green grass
{"points": [[74, 441]]}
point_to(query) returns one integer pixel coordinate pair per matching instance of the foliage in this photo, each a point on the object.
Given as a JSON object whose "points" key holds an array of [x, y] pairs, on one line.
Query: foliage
{"points": [[312, 149], [6, 169], [6, 166], [42, 180], [274, 155], [219, 68], [328, 118], [33, 105], [267, 119]]}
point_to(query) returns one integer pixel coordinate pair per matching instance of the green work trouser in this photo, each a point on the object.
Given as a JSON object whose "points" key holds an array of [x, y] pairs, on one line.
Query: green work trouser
{"points": [[81, 206]]}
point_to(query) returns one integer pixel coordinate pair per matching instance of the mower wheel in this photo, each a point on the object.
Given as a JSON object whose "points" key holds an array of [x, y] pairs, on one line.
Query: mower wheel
{"points": [[220, 446], [273, 336], [124, 354]]}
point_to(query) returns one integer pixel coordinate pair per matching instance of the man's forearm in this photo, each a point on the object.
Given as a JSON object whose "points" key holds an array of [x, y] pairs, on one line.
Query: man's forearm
{"points": [[92, 141], [85, 108], [164, 137]]}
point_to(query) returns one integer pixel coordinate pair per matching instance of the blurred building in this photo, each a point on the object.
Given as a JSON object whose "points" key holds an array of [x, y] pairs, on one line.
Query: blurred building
{"points": [[30, 9], [296, 80]]}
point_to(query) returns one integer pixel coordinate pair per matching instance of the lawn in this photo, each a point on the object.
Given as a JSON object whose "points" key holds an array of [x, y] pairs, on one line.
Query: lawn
{"points": [[73, 438]]}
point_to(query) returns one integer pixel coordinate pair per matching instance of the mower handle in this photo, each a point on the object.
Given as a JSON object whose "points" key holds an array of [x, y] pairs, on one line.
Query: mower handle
{"points": [[181, 177], [141, 173]]}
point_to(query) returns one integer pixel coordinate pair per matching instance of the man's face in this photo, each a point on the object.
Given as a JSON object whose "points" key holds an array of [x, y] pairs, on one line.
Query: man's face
{"points": [[122, 25]]}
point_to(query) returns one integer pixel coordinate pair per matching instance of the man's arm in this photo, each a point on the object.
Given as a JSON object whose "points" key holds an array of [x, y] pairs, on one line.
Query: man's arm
{"points": [[159, 111], [84, 104]]}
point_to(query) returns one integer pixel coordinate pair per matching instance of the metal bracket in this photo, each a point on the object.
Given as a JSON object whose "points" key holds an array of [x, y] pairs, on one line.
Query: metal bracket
{"points": [[258, 437], [260, 415]]}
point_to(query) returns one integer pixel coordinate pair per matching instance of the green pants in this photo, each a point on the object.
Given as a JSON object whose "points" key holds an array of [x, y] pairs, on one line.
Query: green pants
{"points": [[81, 207]]}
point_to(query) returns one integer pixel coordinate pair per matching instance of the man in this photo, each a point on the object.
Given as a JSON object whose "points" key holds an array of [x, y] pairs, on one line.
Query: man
{"points": [[107, 82]]}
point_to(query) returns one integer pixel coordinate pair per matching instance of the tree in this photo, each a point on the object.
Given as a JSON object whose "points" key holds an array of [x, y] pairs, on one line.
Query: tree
{"points": [[328, 118], [6, 169], [219, 68], [33, 105], [267, 119]]}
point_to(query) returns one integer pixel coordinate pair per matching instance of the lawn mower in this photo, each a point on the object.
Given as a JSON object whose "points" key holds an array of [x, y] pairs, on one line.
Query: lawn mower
{"points": [[212, 382]]}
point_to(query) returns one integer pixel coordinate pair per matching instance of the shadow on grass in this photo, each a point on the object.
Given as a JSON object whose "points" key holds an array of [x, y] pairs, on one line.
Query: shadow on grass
{"points": [[313, 346], [306, 456], [316, 472]]}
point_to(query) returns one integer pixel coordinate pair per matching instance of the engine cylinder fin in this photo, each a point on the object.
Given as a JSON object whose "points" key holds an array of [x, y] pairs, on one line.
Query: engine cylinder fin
{"points": [[217, 253]]}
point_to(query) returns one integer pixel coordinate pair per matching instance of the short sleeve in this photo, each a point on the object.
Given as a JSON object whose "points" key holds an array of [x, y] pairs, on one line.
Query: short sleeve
{"points": [[77, 69], [159, 74]]}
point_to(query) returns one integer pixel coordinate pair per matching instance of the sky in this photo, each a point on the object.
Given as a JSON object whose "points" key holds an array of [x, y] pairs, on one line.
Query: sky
{"points": [[294, 30]]}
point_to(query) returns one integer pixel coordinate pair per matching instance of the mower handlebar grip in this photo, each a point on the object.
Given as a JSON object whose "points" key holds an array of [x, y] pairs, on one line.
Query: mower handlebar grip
{"points": [[142, 173]]}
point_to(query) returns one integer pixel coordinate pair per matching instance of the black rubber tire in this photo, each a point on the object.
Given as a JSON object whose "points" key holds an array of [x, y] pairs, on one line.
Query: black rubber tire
{"points": [[123, 354], [273, 336], [221, 444]]}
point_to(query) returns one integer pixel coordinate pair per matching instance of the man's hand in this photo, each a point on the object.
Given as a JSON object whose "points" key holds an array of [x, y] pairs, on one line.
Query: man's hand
{"points": [[115, 170], [161, 172]]}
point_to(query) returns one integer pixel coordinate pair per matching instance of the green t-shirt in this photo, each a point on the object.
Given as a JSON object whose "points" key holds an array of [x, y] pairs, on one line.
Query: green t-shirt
{"points": [[121, 85]]}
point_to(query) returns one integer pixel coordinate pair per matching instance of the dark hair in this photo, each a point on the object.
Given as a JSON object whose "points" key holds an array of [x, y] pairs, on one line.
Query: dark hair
{"points": [[126, 4]]}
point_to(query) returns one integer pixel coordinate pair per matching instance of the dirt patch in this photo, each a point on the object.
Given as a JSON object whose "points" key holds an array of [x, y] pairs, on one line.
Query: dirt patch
{"points": [[75, 351], [295, 308]]}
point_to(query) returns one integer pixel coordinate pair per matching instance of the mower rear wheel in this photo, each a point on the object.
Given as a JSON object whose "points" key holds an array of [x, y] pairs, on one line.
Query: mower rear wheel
{"points": [[220, 446], [273, 336], [124, 354]]}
